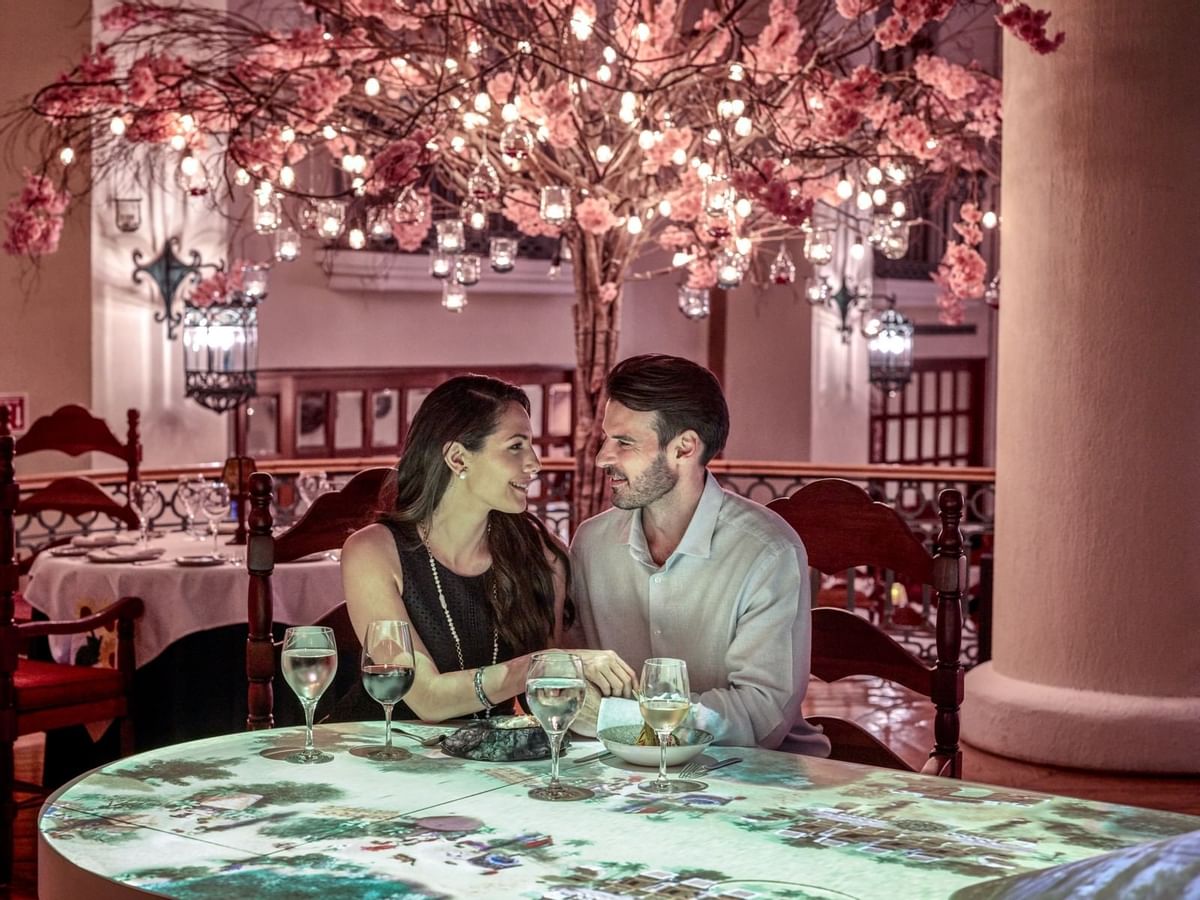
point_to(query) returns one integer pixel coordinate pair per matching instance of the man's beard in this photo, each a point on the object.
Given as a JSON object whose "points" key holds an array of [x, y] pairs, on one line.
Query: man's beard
{"points": [[653, 484]]}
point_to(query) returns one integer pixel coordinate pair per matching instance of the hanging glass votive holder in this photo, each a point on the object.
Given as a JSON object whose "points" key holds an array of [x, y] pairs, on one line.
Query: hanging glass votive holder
{"points": [[331, 218], [454, 296], [693, 302], [474, 214], [440, 264], [730, 269], [502, 254], [268, 212], [410, 207], [128, 213], [379, 223], [555, 204], [783, 270], [818, 246], [255, 281], [484, 183], [719, 195], [449, 235], [466, 269], [287, 244], [516, 143], [816, 290], [895, 244]]}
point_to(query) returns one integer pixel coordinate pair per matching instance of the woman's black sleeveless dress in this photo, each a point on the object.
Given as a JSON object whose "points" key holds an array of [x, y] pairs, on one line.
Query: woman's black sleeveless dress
{"points": [[468, 601]]}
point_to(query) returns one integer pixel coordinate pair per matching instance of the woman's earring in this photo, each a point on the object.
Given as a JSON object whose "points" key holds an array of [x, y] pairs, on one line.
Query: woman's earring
{"points": [[462, 473]]}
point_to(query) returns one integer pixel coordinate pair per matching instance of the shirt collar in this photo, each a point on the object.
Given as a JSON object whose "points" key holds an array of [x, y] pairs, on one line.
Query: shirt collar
{"points": [[697, 540]]}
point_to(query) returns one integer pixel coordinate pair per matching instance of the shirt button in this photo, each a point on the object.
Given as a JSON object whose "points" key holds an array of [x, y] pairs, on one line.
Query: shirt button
{"points": [[658, 631], [658, 579]]}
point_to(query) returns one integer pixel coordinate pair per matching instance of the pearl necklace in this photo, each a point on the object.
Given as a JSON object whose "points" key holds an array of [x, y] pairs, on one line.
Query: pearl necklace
{"points": [[437, 581]]}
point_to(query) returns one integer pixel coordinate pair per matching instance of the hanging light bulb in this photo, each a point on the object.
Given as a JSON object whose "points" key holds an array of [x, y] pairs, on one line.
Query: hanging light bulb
{"points": [[818, 246], [817, 290], [178, 142], [681, 258], [743, 127], [896, 172], [879, 196], [730, 269], [516, 143], [482, 103], [502, 254], [241, 177], [287, 176], [857, 250], [744, 245], [604, 73], [410, 207], [874, 175], [555, 204], [449, 235], [863, 201], [693, 302], [193, 180], [287, 134], [66, 156], [329, 132], [783, 270], [736, 72], [509, 112], [474, 214], [440, 264], [454, 296], [371, 87], [844, 189], [899, 209], [743, 207], [117, 126], [633, 225], [604, 154], [287, 245], [664, 207], [990, 219], [357, 238], [581, 24]]}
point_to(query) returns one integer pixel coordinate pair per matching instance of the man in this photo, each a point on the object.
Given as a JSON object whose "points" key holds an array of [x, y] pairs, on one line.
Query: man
{"points": [[682, 568]]}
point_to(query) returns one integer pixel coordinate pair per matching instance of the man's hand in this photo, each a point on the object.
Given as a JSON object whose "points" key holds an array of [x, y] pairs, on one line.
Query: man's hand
{"points": [[607, 671]]}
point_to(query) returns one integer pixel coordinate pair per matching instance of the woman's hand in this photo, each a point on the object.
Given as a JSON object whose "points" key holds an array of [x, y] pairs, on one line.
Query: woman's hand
{"points": [[607, 671]]}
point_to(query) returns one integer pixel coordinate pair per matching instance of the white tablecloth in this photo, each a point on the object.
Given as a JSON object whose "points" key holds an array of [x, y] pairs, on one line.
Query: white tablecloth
{"points": [[179, 600]]}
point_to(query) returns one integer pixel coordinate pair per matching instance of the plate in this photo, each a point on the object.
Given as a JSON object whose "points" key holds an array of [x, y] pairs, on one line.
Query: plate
{"points": [[200, 559], [619, 740], [125, 554], [68, 550], [105, 539]]}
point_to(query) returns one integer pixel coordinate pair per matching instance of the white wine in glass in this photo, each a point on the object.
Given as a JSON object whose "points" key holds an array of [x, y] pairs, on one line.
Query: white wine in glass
{"points": [[387, 675], [663, 697], [555, 690], [309, 664]]}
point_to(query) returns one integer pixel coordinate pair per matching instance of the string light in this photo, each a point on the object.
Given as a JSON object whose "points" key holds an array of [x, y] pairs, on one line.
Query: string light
{"points": [[633, 225], [66, 156], [371, 87], [117, 126], [604, 154], [990, 219]]}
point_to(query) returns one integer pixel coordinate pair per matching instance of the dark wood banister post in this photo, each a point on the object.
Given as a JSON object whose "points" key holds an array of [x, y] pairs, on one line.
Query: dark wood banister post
{"points": [[949, 580], [260, 649]]}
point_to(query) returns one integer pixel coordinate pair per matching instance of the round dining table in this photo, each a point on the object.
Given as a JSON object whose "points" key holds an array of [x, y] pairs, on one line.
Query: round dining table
{"points": [[229, 817]]}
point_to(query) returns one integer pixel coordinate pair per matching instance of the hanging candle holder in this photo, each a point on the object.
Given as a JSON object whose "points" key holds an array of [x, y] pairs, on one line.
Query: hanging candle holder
{"points": [[449, 235], [817, 290], [287, 244], [474, 214], [890, 352], [516, 143], [818, 246], [128, 213], [731, 266], [191, 176], [268, 211], [466, 269], [555, 204], [330, 219], [484, 183], [440, 264], [454, 296], [255, 280], [783, 270], [410, 207], [719, 195], [379, 223], [693, 302], [308, 216], [895, 243], [502, 254]]}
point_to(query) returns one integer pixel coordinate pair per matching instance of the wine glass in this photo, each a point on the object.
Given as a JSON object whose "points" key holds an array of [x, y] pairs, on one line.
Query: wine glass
{"points": [[663, 699], [214, 503], [309, 484], [387, 675], [147, 503], [309, 664], [188, 493], [555, 690]]}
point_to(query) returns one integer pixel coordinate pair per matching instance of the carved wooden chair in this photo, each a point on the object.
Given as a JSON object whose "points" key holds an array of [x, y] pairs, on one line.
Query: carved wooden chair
{"points": [[39, 696], [74, 430], [842, 528], [331, 519]]}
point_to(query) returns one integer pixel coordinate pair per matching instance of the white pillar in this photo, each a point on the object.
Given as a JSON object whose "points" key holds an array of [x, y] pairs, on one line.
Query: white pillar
{"points": [[1097, 622]]}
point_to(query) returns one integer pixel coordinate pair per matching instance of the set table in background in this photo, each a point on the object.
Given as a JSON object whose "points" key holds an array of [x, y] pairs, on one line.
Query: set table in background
{"points": [[226, 817]]}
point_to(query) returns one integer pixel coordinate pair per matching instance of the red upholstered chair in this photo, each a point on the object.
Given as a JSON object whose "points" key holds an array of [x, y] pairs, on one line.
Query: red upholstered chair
{"points": [[38, 696], [74, 430], [331, 519], [842, 528]]}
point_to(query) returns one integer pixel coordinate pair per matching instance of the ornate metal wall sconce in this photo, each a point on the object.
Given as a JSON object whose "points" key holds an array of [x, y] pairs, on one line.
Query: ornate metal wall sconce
{"points": [[168, 272]]}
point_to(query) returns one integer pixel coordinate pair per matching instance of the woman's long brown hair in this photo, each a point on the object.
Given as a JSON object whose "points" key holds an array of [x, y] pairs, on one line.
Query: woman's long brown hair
{"points": [[467, 409]]}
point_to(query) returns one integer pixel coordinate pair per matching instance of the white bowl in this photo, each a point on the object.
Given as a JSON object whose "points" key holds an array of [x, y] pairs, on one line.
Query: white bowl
{"points": [[619, 740]]}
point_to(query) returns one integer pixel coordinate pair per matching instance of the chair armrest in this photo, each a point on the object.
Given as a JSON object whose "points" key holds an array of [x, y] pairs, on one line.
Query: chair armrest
{"points": [[128, 608]]}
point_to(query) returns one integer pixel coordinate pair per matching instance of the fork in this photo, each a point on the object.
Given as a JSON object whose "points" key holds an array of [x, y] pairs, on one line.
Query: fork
{"points": [[691, 770], [424, 742]]}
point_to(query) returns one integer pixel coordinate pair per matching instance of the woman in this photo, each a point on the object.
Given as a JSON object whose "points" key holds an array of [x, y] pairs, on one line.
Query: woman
{"points": [[482, 582]]}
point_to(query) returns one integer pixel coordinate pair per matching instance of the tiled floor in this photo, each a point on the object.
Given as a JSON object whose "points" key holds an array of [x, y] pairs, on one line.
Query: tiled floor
{"points": [[896, 716]]}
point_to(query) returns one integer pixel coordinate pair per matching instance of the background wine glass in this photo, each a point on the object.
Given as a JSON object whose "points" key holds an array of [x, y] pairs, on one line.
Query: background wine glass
{"points": [[188, 493], [309, 664], [663, 696], [310, 486], [387, 675], [555, 690], [214, 503], [147, 503]]}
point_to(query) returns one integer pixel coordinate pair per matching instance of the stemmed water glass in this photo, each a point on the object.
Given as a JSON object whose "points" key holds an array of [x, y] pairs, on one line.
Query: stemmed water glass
{"points": [[309, 664], [147, 503], [387, 675], [555, 690], [664, 701], [311, 485], [214, 503], [188, 493]]}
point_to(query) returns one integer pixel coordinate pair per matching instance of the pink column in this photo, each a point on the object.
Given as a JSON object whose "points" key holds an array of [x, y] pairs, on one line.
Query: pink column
{"points": [[1097, 623]]}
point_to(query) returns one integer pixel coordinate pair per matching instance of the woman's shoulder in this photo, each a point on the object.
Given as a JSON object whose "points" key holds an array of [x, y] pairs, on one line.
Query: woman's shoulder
{"points": [[375, 541]]}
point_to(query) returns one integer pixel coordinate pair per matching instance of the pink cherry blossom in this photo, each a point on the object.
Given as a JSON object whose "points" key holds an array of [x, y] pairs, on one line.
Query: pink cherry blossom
{"points": [[321, 92], [609, 291], [409, 236], [218, 287], [595, 215], [1029, 25], [777, 47], [953, 81], [521, 208], [34, 219], [701, 273]]}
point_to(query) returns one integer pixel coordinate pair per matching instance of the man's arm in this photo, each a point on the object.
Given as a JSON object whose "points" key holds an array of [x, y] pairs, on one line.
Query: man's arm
{"points": [[768, 656]]}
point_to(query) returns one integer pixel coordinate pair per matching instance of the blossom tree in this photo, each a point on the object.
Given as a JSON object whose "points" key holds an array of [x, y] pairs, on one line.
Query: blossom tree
{"points": [[708, 130]]}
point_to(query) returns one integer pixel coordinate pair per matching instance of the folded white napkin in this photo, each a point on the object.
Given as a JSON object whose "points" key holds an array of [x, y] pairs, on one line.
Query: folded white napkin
{"points": [[617, 711]]}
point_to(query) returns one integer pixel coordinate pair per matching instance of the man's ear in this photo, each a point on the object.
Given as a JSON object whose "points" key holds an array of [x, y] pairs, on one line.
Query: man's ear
{"points": [[686, 446], [455, 455]]}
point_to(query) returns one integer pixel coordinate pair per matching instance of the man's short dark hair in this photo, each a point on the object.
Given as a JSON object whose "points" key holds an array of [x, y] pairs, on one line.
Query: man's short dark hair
{"points": [[683, 394]]}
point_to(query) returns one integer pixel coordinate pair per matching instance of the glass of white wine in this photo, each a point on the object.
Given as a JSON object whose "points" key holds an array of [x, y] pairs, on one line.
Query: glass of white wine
{"points": [[387, 675], [663, 694], [309, 664], [555, 690]]}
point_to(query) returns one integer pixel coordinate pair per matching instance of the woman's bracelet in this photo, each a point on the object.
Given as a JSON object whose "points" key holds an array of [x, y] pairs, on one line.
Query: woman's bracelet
{"points": [[479, 694]]}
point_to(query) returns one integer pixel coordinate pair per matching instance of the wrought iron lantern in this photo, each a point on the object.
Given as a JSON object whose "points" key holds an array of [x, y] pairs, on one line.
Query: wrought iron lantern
{"points": [[890, 351], [220, 352]]}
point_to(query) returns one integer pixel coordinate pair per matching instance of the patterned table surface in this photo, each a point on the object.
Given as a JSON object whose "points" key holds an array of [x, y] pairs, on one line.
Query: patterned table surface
{"points": [[225, 817]]}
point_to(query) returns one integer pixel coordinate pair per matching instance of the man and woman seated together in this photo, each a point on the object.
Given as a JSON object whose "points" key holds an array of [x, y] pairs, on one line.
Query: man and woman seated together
{"points": [[679, 567]]}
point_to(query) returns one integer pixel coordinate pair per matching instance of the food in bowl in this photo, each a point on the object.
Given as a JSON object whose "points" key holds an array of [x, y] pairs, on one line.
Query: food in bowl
{"points": [[621, 741]]}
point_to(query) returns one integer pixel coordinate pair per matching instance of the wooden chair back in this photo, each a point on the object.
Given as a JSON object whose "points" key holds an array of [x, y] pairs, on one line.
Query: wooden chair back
{"points": [[332, 518], [842, 528]]}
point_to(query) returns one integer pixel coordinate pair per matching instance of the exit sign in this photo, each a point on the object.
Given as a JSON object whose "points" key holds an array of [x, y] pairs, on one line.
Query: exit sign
{"points": [[17, 406]]}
